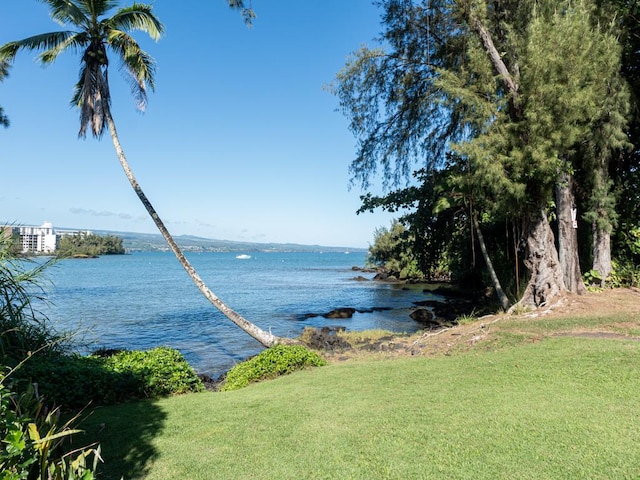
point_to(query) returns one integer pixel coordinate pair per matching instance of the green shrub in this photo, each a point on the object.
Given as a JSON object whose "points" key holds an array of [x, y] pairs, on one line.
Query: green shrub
{"points": [[74, 381], [158, 372], [275, 361]]}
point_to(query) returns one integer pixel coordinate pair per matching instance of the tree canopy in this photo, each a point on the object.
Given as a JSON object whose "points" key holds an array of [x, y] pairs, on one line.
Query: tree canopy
{"points": [[516, 110]]}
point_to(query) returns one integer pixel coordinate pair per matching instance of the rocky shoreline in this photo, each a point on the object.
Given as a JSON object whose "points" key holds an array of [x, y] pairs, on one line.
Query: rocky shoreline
{"points": [[432, 315]]}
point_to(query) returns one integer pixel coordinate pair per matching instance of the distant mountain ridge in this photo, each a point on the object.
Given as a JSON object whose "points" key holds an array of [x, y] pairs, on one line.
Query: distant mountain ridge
{"points": [[144, 242]]}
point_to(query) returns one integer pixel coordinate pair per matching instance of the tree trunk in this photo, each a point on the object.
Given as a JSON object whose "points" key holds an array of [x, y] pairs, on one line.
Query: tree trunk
{"points": [[267, 339], [508, 80], [546, 280], [502, 297], [567, 235], [601, 225], [602, 252]]}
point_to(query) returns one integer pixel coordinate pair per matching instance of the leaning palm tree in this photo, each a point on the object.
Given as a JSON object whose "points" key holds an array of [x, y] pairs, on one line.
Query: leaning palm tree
{"points": [[95, 35]]}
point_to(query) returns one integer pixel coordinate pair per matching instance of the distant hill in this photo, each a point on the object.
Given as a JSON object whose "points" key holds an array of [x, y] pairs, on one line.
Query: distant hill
{"points": [[144, 242]]}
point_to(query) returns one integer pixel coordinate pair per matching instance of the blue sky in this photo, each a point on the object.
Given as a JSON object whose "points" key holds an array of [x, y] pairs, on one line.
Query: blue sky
{"points": [[239, 140]]}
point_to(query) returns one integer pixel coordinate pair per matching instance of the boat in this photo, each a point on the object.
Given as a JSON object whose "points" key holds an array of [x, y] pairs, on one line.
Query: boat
{"points": [[243, 256]]}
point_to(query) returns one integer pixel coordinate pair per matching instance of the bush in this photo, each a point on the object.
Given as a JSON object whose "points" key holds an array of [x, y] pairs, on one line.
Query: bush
{"points": [[157, 372], [74, 381], [273, 362]]}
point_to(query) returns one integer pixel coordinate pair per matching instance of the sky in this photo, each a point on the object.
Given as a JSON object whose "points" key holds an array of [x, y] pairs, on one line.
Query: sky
{"points": [[240, 141]]}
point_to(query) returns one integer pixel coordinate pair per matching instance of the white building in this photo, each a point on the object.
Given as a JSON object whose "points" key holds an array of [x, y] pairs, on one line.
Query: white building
{"points": [[42, 239]]}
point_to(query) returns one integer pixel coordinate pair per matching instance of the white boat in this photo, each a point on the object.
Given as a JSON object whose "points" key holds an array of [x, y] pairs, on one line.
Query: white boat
{"points": [[243, 257]]}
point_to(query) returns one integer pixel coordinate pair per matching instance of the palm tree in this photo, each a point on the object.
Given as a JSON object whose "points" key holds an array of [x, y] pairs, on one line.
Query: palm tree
{"points": [[94, 36]]}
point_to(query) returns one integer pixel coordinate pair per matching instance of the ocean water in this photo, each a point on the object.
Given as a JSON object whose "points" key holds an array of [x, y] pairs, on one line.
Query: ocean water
{"points": [[146, 299]]}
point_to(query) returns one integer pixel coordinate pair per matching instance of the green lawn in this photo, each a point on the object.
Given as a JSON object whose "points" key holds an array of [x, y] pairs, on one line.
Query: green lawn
{"points": [[562, 408]]}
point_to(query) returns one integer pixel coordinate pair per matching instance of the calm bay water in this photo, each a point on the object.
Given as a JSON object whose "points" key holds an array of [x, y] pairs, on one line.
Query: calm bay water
{"points": [[145, 299]]}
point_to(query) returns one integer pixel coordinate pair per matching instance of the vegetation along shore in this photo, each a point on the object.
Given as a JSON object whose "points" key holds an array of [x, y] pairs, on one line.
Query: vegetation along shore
{"points": [[506, 137]]}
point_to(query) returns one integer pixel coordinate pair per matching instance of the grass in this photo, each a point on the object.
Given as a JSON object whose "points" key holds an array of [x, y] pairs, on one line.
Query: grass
{"points": [[557, 408]]}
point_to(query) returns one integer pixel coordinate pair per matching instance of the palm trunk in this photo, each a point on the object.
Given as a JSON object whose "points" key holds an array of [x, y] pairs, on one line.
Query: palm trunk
{"points": [[567, 236], [546, 280], [267, 339], [502, 297]]}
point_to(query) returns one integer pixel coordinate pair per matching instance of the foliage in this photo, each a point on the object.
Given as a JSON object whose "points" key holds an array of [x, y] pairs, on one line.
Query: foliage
{"points": [[23, 330], [392, 250], [93, 37], [492, 101], [158, 372], [4, 72], [36, 443], [272, 362], [89, 245], [74, 381]]}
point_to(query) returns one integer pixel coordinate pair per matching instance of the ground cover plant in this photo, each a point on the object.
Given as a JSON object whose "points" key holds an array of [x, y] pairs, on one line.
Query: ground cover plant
{"points": [[526, 401], [270, 363]]}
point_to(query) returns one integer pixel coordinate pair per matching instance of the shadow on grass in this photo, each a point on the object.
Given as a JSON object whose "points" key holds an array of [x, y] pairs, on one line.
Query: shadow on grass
{"points": [[125, 433]]}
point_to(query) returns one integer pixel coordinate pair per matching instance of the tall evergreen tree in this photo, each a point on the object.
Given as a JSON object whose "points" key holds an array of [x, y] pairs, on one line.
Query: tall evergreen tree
{"points": [[511, 87]]}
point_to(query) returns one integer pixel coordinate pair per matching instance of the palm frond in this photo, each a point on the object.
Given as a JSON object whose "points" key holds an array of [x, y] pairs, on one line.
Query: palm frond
{"points": [[136, 17], [66, 12], [96, 8], [4, 120], [4, 70], [44, 41], [247, 12], [139, 65], [4, 73], [76, 42], [91, 95]]}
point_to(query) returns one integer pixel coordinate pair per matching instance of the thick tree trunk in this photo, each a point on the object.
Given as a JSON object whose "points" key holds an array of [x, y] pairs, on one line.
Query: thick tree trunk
{"points": [[601, 247], [502, 297], [267, 339], [602, 252], [542, 261], [567, 235]]}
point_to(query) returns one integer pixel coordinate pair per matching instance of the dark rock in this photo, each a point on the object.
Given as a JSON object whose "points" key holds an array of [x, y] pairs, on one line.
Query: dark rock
{"points": [[340, 313], [107, 352], [365, 270], [427, 318], [422, 315], [210, 383], [326, 338], [385, 277], [360, 278]]}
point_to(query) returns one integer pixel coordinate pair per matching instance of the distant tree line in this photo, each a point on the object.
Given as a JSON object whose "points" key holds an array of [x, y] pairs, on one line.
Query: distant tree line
{"points": [[89, 245]]}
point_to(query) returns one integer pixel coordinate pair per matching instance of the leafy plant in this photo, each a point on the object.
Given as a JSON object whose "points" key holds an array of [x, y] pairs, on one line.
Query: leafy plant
{"points": [[271, 363], [157, 372], [22, 328], [34, 441]]}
